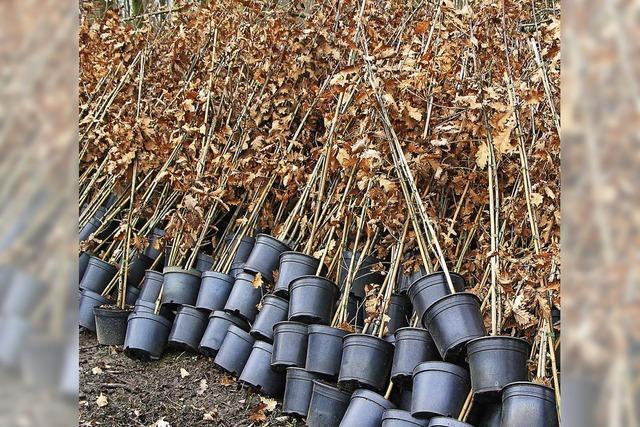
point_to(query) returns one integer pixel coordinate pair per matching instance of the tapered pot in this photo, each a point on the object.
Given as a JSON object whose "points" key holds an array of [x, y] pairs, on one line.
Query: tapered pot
{"points": [[265, 256], [138, 265], [274, 310], [236, 269], [405, 280], [244, 297], [526, 404], [83, 262], [363, 276], [327, 405], [430, 288], [401, 418], [216, 330], [244, 249], [297, 392], [312, 300], [294, 265], [144, 307], [355, 311], [88, 301], [111, 325], [214, 291], [97, 275], [234, 351], [154, 249], [413, 346], [188, 328], [365, 409], [366, 362], [324, 351], [453, 321], [399, 312], [203, 262], [258, 373], [89, 228], [180, 287], [151, 286], [439, 389], [290, 340], [147, 335], [496, 361], [447, 422]]}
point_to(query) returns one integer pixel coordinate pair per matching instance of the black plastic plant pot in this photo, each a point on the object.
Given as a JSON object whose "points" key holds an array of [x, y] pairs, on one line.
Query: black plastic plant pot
{"points": [[453, 321], [265, 256], [413, 346], [144, 307], [258, 374], [138, 265], [312, 300], [88, 301], [439, 389], [366, 362], [324, 350], [203, 262], [180, 287], [244, 297], [355, 311], [405, 280], [365, 409], [236, 269], [216, 330], [89, 228], [294, 265], [111, 325], [496, 361], [82, 264], [153, 250], [188, 328], [297, 392], [327, 405], [234, 351], [399, 312], [97, 275], [132, 295], [430, 288], [244, 250], [363, 276], [274, 310], [526, 404], [447, 422], [214, 291], [400, 418], [151, 286], [290, 340], [147, 335]]}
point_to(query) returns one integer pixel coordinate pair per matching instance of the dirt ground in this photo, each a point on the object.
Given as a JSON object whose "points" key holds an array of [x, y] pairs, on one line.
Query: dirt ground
{"points": [[162, 394]]}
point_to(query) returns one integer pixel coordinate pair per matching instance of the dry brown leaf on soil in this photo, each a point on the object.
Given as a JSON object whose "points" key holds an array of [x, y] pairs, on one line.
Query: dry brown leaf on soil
{"points": [[102, 400], [226, 380], [183, 373]]}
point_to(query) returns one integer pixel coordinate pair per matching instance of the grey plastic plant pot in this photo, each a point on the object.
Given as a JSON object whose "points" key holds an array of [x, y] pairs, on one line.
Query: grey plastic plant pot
{"points": [[97, 275], [312, 300], [88, 301], [324, 350], [131, 295], [144, 307], [447, 422], [236, 269], [453, 321], [138, 265], [180, 287], [265, 256], [234, 351], [363, 276], [366, 363], [219, 322], [290, 340], [203, 262], [146, 337], [294, 265], [151, 286], [365, 409], [188, 328], [259, 375], [214, 291], [399, 312], [151, 250], [327, 405], [274, 310], [297, 392], [496, 361], [439, 389], [89, 228], [413, 346], [111, 325], [244, 249], [525, 404], [83, 261], [405, 280], [401, 418], [244, 298], [430, 288]]}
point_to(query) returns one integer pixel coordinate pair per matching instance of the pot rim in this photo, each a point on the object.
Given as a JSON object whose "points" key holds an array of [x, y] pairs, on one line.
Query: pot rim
{"points": [[326, 330], [295, 327], [270, 239], [240, 333], [415, 331], [151, 273], [372, 396], [295, 283], [150, 316], [433, 275], [329, 391], [403, 415], [93, 295], [429, 313], [191, 310], [100, 263], [174, 269], [440, 366], [262, 345], [460, 423], [296, 373], [100, 311], [218, 275], [284, 304], [545, 389], [498, 338]]}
